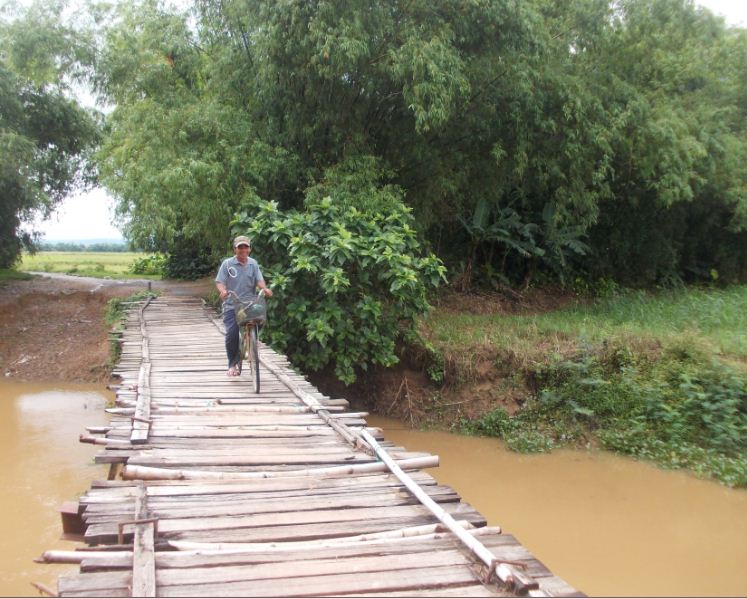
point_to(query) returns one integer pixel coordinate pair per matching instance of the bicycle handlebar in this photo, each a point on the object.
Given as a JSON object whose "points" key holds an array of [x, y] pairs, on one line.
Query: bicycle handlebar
{"points": [[236, 295]]}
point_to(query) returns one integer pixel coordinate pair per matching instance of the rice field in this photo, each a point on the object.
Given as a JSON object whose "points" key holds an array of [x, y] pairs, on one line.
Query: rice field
{"points": [[115, 265]]}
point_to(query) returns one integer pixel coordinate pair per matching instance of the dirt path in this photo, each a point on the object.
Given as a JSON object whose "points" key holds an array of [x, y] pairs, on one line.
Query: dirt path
{"points": [[52, 327]]}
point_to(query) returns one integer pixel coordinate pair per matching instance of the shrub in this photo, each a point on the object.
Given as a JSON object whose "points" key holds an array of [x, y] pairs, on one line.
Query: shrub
{"points": [[349, 278], [154, 264], [682, 410]]}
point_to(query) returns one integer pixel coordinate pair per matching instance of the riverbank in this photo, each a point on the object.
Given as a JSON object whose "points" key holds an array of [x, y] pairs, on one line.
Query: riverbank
{"points": [[52, 327], [659, 376]]}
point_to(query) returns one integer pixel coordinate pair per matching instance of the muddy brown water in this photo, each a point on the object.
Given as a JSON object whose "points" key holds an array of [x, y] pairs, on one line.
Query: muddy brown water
{"points": [[608, 525], [42, 465]]}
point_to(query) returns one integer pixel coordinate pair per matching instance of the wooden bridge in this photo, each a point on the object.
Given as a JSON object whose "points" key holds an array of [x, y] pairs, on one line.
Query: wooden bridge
{"points": [[217, 491]]}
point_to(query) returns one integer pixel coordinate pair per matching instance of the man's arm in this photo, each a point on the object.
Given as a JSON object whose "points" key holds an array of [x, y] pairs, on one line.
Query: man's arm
{"points": [[220, 281], [261, 285]]}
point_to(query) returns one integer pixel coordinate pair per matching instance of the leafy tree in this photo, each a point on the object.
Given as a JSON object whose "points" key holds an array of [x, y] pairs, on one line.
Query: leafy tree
{"points": [[670, 74], [44, 135], [588, 136]]}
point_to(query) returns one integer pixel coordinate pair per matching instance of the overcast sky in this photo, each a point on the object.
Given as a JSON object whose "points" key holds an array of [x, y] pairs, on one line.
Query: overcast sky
{"points": [[89, 215]]}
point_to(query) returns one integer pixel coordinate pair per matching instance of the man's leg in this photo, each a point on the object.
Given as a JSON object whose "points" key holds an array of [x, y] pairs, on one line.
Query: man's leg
{"points": [[232, 337]]}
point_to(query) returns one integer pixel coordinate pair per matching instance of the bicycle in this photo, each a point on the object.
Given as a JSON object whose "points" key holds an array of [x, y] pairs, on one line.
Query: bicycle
{"points": [[249, 315]]}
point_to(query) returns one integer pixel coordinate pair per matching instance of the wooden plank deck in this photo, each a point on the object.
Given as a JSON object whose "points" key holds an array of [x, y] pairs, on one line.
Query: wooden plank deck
{"points": [[222, 492]]}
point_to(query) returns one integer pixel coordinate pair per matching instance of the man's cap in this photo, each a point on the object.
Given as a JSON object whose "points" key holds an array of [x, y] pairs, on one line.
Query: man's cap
{"points": [[242, 239]]}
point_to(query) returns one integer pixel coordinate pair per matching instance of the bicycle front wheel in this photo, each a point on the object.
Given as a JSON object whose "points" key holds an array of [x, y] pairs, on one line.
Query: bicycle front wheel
{"points": [[243, 340], [254, 357]]}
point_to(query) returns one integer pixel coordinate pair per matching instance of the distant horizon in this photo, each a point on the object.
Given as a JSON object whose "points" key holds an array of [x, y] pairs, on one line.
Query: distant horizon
{"points": [[83, 240]]}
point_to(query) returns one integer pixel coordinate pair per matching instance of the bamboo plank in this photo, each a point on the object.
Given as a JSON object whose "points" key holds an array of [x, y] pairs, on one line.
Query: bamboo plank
{"points": [[310, 483], [240, 505], [141, 425], [149, 473], [95, 584], [106, 533], [334, 584], [168, 523], [143, 563], [268, 570], [468, 590], [165, 461]]}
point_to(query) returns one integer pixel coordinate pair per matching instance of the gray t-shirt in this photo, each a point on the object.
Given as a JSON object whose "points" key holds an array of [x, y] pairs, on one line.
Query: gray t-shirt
{"points": [[240, 278]]}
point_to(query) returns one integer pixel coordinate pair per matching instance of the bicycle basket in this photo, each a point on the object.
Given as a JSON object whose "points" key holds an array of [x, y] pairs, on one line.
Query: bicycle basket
{"points": [[253, 310]]}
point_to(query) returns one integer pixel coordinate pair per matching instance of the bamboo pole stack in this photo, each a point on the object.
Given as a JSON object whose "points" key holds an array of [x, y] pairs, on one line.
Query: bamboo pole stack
{"points": [[217, 491]]}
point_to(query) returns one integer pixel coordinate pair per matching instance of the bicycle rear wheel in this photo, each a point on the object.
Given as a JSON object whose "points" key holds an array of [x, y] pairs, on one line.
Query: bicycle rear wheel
{"points": [[254, 357]]}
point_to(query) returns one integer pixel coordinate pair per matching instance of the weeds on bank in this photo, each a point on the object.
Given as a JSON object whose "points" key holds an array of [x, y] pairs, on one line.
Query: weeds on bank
{"points": [[655, 376], [683, 410], [212, 299], [9, 274], [114, 316]]}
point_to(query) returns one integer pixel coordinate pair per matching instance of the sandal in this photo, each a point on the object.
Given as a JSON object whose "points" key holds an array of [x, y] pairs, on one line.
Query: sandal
{"points": [[233, 371]]}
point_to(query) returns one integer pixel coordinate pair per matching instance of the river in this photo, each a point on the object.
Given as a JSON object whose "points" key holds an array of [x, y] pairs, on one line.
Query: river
{"points": [[43, 465], [608, 525]]}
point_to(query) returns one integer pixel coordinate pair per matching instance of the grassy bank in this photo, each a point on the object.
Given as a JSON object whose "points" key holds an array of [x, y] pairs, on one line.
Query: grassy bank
{"points": [[10, 274], [115, 265], [116, 311], [658, 376]]}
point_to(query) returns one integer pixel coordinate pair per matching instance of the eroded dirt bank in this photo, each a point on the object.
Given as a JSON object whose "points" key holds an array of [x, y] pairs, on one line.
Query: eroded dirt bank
{"points": [[52, 327]]}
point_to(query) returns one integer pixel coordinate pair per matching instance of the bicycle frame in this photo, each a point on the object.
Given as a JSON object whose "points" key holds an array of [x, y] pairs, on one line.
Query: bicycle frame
{"points": [[249, 346], [249, 350]]}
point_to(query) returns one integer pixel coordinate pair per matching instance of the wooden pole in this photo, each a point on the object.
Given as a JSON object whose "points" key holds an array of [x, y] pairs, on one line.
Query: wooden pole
{"points": [[413, 533], [313, 404], [44, 589], [133, 472], [143, 560], [58, 556], [507, 574]]}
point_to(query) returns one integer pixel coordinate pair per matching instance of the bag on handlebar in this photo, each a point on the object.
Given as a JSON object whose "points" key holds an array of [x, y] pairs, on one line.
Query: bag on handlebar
{"points": [[255, 309]]}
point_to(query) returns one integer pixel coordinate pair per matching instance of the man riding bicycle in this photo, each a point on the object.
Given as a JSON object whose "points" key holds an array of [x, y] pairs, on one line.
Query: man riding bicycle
{"points": [[238, 276]]}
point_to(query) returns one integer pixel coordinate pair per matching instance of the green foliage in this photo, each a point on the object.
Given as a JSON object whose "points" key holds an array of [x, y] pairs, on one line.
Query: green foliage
{"points": [[44, 135], [68, 246], [114, 316], [658, 376], [535, 140], [117, 306], [188, 259], [154, 264], [89, 264], [680, 410], [711, 318], [7, 274], [496, 423], [348, 279], [213, 299]]}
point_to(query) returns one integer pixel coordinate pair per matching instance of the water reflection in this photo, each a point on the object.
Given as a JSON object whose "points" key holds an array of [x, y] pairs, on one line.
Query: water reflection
{"points": [[42, 465], [607, 525]]}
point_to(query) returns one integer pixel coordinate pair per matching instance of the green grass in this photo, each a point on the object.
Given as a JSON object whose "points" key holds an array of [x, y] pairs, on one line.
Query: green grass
{"points": [[659, 376], [9, 274], [715, 319], [115, 265], [115, 318]]}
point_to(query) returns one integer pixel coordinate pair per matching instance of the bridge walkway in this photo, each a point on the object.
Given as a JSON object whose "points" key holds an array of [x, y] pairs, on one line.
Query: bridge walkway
{"points": [[217, 491]]}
